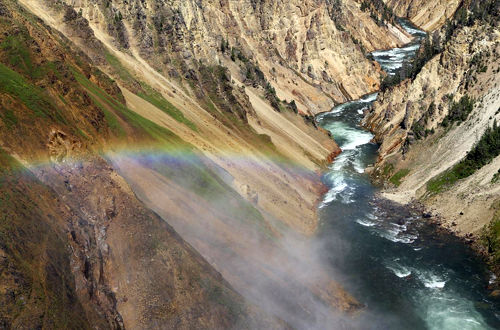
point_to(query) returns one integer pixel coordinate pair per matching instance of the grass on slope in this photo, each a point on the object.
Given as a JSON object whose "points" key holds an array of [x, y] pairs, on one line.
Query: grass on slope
{"points": [[148, 93], [16, 47], [165, 137], [14, 84], [180, 163], [396, 178], [486, 149]]}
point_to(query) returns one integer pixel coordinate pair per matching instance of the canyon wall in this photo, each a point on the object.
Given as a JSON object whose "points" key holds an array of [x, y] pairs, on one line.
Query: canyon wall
{"points": [[427, 14], [174, 153], [426, 133]]}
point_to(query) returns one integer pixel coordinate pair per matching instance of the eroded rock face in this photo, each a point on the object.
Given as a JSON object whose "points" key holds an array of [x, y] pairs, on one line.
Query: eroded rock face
{"points": [[428, 14], [311, 40], [410, 121], [426, 100]]}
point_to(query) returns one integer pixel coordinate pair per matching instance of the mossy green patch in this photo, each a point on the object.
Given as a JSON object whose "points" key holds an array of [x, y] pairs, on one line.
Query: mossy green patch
{"points": [[442, 182], [118, 67], [156, 99], [34, 98], [16, 47], [147, 92], [396, 178], [9, 118], [151, 131], [388, 169], [113, 122]]}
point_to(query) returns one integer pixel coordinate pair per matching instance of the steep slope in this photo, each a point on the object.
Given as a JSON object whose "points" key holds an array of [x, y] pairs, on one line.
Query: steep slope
{"points": [[228, 164], [74, 235], [436, 130], [427, 14], [306, 46]]}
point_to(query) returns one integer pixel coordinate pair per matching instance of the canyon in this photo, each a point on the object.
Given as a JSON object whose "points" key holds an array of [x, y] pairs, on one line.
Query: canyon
{"points": [[176, 158], [161, 162], [410, 121]]}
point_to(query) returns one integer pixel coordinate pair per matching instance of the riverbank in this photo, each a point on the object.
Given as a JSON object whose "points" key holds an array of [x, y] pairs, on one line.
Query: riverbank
{"points": [[390, 256]]}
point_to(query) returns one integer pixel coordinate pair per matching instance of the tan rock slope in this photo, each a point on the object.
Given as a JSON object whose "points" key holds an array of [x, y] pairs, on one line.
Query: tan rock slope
{"points": [[305, 45], [78, 249], [415, 146], [427, 14], [208, 123]]}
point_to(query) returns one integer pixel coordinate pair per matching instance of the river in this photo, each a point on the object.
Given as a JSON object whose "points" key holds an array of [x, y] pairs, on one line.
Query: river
{"points": [[408, 276]]}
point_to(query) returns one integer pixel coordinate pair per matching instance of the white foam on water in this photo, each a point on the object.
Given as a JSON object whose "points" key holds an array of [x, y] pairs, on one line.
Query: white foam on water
{"points": [[368, 98], [358, 165], [348, 137], [493, 279], [435, 284], [357, 138], [446, 310], [339, 185], [337, 180], [431, 280], [365, 222], [398, 269], [395, 233], [396, 236]]}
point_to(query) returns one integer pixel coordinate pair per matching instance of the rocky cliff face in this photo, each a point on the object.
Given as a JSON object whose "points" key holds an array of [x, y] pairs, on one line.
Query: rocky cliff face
{"points": [[308, 47], [421, 136], [427, 14], [78, 249], [207, 123]]}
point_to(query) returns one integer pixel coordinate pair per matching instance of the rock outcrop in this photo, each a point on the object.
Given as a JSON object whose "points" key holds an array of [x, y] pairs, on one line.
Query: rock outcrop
{"points": [[427, 14], [310, 47], [419, 139], [196, 159]]}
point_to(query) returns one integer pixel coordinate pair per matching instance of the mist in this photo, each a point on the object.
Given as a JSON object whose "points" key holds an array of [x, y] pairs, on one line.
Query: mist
{"points": [[282, 271]]}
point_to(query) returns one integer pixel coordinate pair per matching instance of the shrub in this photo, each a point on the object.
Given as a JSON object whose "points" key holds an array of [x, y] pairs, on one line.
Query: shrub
{"points": [[459, 111]]}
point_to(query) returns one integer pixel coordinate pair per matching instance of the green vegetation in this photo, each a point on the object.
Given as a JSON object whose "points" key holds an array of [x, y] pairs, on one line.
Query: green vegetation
{"points": [[496, 177], [388, 169], [155, 98], [396, 178], [16, 47], [420, 131], [118, 67], [33, 97], [148, 93], [9, 118], [459, 111], [483, 152], [167, 139], [490, 237]]}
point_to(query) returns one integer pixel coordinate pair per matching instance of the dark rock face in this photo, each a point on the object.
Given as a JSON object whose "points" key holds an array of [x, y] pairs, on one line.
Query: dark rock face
{"points": [[4, 11]]}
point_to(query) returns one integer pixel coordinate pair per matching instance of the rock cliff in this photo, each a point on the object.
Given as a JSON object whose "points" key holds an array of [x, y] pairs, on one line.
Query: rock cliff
{"points": [[313, 49], [164, 143], [427, 14], [428, 125]]}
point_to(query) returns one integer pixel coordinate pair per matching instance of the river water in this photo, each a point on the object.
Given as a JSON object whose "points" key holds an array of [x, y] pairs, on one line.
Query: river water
{"points": [[407, 275]]}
